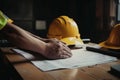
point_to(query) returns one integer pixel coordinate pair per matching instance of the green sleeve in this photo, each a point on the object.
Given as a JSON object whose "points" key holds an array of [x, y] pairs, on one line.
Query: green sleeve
{"points": [[3, 20]]}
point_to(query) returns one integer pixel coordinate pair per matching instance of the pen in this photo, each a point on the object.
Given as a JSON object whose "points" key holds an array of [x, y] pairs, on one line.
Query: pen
{"points": [[103, 51]]}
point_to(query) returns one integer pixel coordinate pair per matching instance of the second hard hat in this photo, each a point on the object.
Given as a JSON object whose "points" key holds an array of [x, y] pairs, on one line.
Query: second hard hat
{"points": [[113, 41]]}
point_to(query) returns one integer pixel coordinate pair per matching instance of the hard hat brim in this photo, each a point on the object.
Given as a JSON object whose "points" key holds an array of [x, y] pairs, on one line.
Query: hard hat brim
{"points": [[72, 41], [103, 44]]}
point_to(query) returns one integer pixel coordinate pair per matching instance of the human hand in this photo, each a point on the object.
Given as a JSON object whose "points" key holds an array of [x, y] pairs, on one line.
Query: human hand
{"points": [[57, 50]]}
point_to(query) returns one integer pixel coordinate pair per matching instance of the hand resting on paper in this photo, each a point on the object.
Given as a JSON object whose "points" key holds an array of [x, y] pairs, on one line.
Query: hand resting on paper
{"points": [[56, 49]]}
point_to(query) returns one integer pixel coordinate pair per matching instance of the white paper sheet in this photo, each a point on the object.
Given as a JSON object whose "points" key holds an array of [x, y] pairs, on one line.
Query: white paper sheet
{"points": [[80, 58]]}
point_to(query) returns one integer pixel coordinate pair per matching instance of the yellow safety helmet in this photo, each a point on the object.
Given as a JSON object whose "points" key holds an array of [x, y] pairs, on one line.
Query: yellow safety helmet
{"points": [[66, 30], [113, 42]]}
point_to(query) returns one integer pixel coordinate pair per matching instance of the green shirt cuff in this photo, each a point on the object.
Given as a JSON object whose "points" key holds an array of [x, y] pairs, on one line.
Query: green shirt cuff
{"points": [[3, 20]]}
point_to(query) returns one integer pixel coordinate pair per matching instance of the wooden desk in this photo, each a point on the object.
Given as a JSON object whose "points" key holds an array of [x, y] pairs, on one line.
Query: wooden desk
{"points": [[29, 72]]}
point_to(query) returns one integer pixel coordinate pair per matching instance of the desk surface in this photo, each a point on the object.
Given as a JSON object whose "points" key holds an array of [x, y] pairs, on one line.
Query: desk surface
{"points": [[29, 72]]}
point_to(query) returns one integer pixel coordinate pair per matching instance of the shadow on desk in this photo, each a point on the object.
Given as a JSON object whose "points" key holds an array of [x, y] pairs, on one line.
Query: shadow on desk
{"points": [[36, 57], [7, 71]]}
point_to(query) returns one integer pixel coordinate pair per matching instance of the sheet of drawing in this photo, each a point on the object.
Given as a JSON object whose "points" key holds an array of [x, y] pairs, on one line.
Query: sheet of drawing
{"points": [[80, 58]]}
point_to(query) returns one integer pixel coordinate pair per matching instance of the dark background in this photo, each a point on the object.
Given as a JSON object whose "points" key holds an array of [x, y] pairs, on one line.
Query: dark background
{"points": [[92, 16]]}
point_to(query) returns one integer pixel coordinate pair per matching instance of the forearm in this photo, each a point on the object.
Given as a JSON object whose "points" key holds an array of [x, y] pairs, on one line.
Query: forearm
{"points": [[22, 39], [40, 38]]}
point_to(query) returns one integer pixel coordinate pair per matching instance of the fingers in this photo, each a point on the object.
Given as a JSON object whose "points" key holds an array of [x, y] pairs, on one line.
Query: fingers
{"points": [[58, 50], [64, 51], [65, 54], [65, 47]]}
